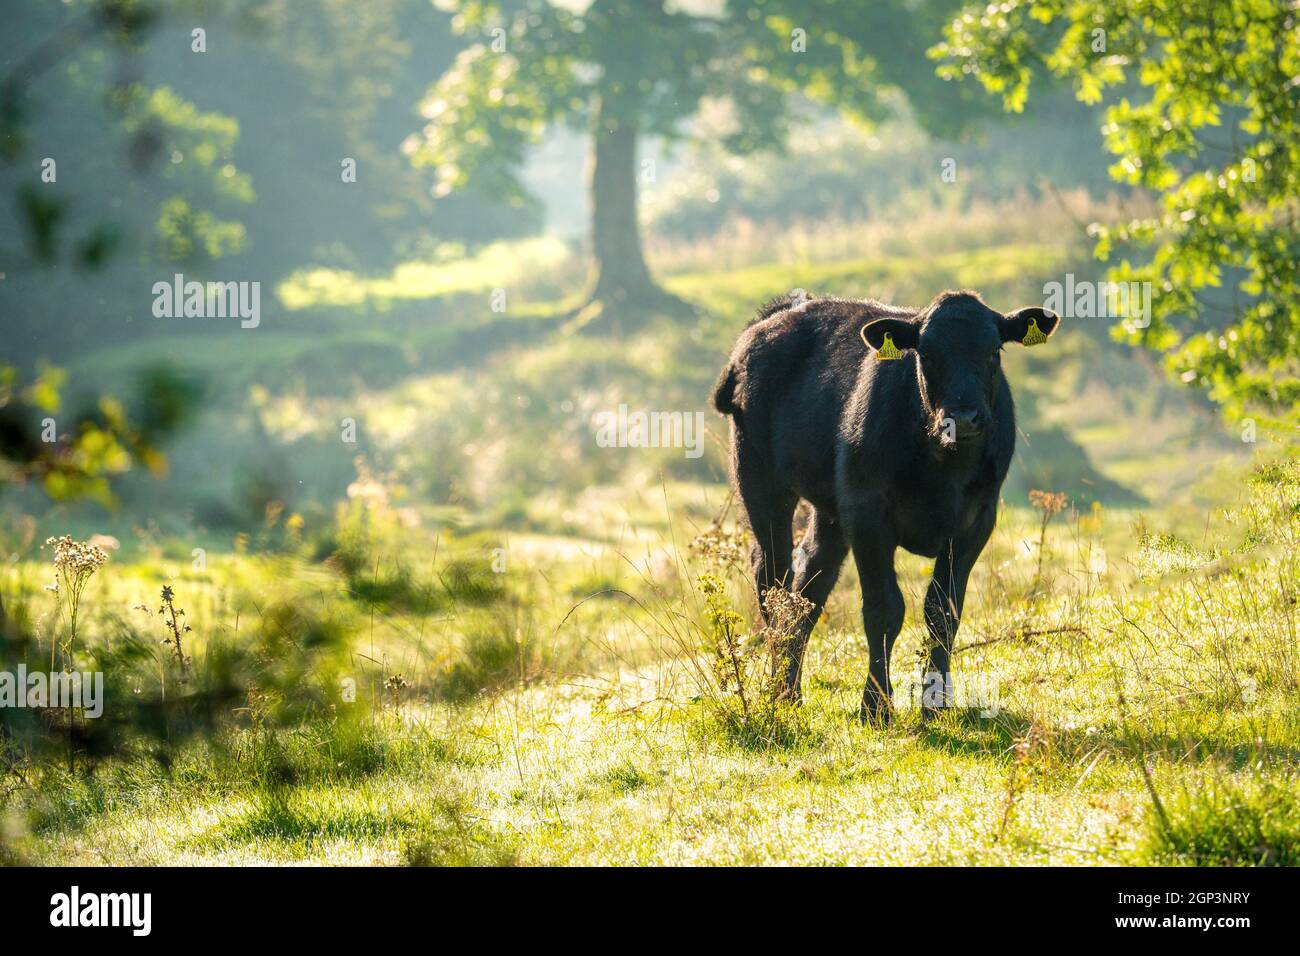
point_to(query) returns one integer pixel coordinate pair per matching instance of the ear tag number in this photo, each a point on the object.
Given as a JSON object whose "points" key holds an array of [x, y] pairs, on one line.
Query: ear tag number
{"points": [[1035, 335], [888, 350]]}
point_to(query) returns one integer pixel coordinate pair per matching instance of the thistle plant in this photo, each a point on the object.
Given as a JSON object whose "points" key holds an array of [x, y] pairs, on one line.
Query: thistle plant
{"points": [[735, 657], [176, 630], [395, 684], [74, 564]]}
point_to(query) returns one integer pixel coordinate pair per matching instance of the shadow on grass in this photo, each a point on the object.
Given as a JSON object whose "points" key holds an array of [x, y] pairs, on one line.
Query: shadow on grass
{"points": [[276, 819], [967, 733], [1198, 749], [785, 730], [444, 833]]}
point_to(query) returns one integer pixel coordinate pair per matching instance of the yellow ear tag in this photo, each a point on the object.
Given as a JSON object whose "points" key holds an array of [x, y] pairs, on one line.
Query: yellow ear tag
{"points": [[888, 350], [1035, 335]]}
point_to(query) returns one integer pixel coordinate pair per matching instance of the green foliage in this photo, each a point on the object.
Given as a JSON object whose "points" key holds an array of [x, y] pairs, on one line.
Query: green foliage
{"points": [[141, 127], [159, 148], [202, 147], [89, 447], [1202, 109], [650, 66]]}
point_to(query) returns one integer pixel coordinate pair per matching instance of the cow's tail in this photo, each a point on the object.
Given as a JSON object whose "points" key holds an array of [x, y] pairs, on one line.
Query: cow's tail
{"points": [[724, 392]]}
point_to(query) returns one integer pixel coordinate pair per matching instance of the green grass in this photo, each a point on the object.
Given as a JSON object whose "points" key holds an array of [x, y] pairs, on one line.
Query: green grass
{"points": [[514, 751], [1227, 823]]}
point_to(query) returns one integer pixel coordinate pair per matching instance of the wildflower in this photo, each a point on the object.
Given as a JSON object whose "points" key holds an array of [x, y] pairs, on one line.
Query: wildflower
{"points": [[74, 563], [80, 558], [786, 611], [1048, 503], [711, 585]]}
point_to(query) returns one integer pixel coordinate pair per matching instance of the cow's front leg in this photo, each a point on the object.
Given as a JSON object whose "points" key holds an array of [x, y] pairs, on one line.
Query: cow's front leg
{"points": [[882, 615], [944, 599]]}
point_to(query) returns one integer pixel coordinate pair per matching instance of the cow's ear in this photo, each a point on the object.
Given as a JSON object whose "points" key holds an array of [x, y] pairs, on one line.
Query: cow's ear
{"points": [[887, 338], [1030, 326]]}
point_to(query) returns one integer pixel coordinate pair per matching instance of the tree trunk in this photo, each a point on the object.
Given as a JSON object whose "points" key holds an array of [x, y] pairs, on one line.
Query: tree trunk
{"points": [[621, 275]]}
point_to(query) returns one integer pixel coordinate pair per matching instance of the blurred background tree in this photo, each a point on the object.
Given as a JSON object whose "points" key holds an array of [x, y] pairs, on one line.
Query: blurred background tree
{"points": [[628, 69], [103, 175], [87, 61], [167, 159], [1204, 108]]}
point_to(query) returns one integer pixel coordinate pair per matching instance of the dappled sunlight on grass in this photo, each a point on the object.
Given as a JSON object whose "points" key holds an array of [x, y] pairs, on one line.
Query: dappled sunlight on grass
{"points": [[503, 265]]}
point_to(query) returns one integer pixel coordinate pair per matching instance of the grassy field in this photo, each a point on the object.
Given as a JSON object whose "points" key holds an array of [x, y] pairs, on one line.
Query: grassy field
{"points": [[1143, 711], [474, 637]]}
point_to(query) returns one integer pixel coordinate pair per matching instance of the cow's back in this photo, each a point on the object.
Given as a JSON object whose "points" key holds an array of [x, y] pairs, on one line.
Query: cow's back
{"points": [[790, 377]]}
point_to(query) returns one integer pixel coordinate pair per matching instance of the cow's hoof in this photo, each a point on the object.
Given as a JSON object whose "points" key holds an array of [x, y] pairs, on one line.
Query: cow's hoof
{"points": [[932, 713]]}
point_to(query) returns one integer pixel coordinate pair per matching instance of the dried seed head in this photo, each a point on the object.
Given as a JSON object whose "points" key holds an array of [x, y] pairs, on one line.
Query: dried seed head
{"points": [[76, 558], [1048, 502]]}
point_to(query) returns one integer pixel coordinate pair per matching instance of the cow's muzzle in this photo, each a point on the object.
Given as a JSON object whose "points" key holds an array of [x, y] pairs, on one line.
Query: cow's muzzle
{"points": [[952, 428]]}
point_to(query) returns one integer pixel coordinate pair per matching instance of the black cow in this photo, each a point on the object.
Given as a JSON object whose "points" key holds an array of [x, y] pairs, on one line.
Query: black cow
{"points": [[897, 426]]}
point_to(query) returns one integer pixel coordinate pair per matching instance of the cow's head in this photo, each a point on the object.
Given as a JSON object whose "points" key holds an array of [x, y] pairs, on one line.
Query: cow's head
{"points": [[956, 343]]}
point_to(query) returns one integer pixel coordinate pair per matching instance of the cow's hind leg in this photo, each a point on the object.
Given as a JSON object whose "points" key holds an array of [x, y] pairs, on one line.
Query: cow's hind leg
{"points": [[770, 510], [816, 565]]}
